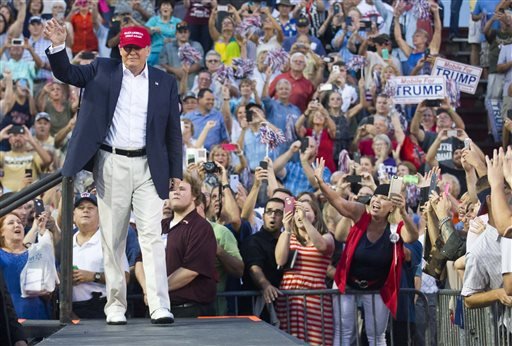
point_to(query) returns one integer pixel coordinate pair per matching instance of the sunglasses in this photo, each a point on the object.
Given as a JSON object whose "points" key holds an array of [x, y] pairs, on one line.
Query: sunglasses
{"points": [[129, 49], [213, 61]]}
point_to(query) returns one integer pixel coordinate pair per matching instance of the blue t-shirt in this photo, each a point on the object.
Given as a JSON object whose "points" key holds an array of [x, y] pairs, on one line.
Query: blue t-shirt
{"points": [[33, 308], [167, 30]]}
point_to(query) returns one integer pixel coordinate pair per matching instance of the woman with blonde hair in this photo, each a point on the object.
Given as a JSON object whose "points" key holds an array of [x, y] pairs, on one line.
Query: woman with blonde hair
{"points": [[307, 239]]}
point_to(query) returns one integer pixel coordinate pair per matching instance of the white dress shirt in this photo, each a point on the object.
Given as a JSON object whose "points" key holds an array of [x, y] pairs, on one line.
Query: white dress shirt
{"points": [[128, 129]]}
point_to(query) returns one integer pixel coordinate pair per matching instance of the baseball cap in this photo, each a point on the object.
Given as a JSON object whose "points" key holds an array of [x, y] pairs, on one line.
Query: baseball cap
{"points": [[382, 189], [284, 3], [182, 26], [188, 95], [134, 36], [302, 21], [43, 115], [85, 196], [35, 19], [16, 130]]}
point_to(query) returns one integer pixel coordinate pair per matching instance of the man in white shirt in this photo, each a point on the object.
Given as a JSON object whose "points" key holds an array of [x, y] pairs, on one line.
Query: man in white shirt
{"points": [[128, 134], [89, 291]]}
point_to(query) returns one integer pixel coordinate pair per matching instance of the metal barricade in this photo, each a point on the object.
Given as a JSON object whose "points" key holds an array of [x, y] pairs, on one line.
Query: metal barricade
{"points": [[480, 326], [325, 297]]}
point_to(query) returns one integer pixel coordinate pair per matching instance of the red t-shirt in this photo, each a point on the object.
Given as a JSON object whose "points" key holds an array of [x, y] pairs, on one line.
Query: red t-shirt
{"points": [[302, 90], [325, 148], [198, 13]]}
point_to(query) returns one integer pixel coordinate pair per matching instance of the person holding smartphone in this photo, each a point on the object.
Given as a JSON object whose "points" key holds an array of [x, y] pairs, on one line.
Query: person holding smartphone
{"points": [[305, 249], [372, 258]]}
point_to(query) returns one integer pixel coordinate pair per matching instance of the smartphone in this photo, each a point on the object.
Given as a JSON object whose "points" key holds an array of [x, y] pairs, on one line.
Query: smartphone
{"points": [[249, 115], [191, 154], [395, 188], [234, 180], [433, 103], [87, 56], [16, 42], [509, 114], [313, 46], [385, 54], [337, 8], [366, 25], [38, 206], [28, 172], [433, 184], [264, 164], [201, 155], [467, 143], [501, 10], [365, 199], [229, 147], [222, 8], [23, 83], [335, 68], [304, 144], [452, 133], [353, 178], [348, 21], [328, 59], [59, 16], [325, 87], [447, 188], [374, 18], [357, 157], [289, 204], [411, 179], [126, 19]]}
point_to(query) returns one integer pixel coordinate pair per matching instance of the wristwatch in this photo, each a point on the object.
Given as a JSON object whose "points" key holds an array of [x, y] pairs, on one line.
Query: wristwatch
{"points": [[97, 277]]}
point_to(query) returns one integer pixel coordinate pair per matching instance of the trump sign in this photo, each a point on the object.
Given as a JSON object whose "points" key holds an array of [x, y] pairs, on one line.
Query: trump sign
{"points": [[466, 76], [415, 89]]}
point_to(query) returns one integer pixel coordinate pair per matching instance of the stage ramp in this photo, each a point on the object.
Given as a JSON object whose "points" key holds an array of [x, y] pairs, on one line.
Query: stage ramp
{"points": [[201, 331]]}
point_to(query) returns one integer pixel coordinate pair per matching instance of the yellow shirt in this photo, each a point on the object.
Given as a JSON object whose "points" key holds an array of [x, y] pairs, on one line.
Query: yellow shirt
{"points": [[14, 165], [228, 51]]}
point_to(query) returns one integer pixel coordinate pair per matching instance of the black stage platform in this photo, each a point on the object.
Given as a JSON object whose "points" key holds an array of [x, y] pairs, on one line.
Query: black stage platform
{"points": [[202, 331]]}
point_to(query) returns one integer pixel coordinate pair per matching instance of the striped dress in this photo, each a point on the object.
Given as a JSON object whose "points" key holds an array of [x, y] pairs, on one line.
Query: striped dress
{"points": [[309, 272]]}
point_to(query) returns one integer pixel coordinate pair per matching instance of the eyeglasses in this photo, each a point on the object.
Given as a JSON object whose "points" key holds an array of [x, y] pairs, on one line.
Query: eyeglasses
{"points": [[129, 49], [276, 212], [213, 61], [299, 62]]}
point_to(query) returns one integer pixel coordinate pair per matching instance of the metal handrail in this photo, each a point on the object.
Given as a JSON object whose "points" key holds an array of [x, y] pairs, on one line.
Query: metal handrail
{"points": [[29, 193]]}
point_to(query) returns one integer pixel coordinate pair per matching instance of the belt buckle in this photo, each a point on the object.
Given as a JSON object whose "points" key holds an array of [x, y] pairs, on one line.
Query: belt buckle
{"points": [[362, 284], [114, 151]]}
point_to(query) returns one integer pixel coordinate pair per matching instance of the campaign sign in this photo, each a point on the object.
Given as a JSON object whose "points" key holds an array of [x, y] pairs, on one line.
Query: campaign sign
{"points": [[466, 76], [415, 89]]}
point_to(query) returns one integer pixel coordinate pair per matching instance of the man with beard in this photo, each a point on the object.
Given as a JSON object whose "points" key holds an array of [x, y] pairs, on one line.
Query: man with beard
{"points": [[258, 252], [21, 166], [190, 254]]}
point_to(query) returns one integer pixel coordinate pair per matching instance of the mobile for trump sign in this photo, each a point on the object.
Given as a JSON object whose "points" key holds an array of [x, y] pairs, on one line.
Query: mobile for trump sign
{"points": [[415, 89], [466, 76]]}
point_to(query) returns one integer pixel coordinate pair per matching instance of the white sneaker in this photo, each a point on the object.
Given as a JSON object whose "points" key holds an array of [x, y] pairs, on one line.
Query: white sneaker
{"points": [[116, 318], [162, 316]]}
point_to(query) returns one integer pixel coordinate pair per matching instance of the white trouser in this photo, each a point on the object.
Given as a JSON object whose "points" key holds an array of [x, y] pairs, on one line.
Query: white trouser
{"points": [[376, 320], [124, 183]]}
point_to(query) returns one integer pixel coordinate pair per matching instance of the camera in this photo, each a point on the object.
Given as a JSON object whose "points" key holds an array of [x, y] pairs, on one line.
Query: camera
{"points": [[249, 115], [211, 168]]}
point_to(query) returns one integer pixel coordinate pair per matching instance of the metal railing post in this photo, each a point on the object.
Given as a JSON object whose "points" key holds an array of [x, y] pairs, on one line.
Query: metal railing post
{"points": [[66, 286]]}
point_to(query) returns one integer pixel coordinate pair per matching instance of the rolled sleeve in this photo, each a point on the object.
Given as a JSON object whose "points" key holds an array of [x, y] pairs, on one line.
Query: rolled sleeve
{"points": [[506, 255]]}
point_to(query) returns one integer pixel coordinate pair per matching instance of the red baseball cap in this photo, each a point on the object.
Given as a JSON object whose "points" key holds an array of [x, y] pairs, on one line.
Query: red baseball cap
{"points": [[134, 35]]}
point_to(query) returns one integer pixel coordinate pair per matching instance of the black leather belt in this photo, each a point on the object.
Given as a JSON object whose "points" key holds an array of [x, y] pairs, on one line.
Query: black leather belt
{"points": [[183, 306], [128, 153]]}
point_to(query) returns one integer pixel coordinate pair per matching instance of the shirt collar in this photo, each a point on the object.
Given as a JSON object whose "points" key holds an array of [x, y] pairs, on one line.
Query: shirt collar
{"points": [[92, 241], [144, 72]]}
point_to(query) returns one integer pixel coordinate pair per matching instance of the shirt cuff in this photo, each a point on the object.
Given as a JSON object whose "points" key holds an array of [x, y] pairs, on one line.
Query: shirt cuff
{"points": [[57, 49]]}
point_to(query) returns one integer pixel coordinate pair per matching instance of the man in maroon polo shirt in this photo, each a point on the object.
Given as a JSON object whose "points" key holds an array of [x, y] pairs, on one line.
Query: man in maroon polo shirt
{"points": [[302, 88], [190, 254]]}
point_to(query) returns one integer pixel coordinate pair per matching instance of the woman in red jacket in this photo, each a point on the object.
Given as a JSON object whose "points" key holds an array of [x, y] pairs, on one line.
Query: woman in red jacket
{"points": [[372, 258]]}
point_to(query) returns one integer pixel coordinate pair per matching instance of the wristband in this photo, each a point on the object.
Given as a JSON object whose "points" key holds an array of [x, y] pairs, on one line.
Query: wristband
{"points": [[226, 186]]}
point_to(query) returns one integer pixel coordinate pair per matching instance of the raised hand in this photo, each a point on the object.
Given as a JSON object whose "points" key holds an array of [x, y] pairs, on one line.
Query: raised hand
{"points": [[55, 32]]}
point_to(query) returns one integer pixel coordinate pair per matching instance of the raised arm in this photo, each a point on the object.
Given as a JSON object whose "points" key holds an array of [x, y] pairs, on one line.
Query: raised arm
{"points": [[352, 210], [214, 33], [416, 122], [398, 37], [435, 44]]}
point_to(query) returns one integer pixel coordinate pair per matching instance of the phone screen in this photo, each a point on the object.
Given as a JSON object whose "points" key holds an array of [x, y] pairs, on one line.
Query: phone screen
{"points": [[385, 54], [304, 143]]}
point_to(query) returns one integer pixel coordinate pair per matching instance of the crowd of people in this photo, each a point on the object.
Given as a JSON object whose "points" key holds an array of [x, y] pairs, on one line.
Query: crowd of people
{"points": [[301, 172]]}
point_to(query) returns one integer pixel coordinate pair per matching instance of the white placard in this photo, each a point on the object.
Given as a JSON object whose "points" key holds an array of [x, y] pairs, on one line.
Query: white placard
{"points": [[34, 280], [415, 89], [467, 77]]}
